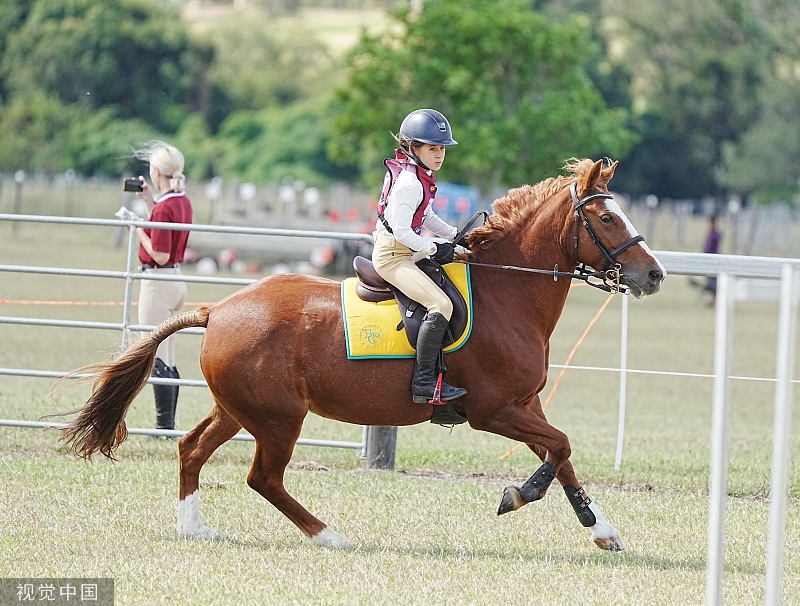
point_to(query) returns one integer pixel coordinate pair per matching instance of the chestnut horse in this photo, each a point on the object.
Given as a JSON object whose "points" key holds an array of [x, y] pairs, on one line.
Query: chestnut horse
{"points": [[275, 350]]}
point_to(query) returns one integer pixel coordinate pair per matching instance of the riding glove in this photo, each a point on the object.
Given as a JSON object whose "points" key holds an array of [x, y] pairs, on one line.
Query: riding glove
{"points": [[445, 251], [463, 243]]}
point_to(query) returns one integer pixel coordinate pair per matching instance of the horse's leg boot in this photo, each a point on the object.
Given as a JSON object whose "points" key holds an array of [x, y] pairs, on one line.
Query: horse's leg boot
{"points": [[165, 411], [536, 486], [580, 504], [429, 344]]}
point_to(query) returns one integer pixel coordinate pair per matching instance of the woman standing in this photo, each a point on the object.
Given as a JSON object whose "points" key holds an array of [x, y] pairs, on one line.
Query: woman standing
{"points": [[161, 252]]}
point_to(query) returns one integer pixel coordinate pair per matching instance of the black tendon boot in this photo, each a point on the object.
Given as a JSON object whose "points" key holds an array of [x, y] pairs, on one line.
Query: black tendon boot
{"points": [[429, 344], [165, 411]]}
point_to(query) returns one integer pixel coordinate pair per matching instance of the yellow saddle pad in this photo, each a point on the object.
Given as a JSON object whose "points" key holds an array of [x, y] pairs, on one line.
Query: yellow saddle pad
{"points": [[370, 329]]}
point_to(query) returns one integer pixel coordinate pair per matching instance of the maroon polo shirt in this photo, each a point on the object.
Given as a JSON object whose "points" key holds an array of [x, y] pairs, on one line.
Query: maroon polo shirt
{"points": [[172, 207]]}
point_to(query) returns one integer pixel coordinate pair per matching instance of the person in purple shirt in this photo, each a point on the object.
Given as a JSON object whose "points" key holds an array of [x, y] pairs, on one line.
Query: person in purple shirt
{"points": [[713, 240]]}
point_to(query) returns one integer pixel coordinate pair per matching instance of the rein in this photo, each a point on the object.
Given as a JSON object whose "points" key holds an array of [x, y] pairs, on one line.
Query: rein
{"points": [[610, 278]]}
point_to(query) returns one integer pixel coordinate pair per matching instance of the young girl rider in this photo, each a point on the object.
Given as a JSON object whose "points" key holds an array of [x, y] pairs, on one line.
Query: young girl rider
{"points": [[404, 209]]}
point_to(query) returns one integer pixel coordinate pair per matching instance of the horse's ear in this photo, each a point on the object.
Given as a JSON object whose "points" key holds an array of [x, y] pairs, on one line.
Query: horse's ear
{"points": [[591, 179], [608, 171]]}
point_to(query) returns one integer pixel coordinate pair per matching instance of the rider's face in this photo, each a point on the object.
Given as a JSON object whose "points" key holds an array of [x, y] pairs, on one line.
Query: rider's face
{"points": [[431, 156]]}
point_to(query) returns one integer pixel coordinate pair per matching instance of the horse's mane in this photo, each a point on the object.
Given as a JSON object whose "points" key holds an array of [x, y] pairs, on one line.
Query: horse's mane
{"points": [[515, 207]]}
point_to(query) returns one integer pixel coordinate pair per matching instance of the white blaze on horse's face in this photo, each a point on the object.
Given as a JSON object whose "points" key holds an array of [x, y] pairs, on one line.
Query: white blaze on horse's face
{"points": [[614, 208]]}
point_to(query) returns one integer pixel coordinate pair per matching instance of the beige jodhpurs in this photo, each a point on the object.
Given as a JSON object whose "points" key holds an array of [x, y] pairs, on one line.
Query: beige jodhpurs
{"points": [[395, 263], [159, 301]]}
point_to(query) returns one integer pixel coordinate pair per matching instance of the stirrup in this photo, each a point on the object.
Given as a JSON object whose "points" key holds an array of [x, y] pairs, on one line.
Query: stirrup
{"points": [[438, 391]]}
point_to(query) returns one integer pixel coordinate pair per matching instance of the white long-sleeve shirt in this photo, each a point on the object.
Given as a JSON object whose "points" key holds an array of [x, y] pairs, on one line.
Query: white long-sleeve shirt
{"points": [[404, 199]]}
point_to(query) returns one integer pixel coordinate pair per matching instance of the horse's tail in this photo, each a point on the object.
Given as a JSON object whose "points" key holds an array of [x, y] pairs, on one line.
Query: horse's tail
{"points": [[100, 424]]}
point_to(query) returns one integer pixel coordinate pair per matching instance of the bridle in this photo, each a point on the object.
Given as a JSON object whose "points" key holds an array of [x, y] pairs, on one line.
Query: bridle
{"points": [[609, 276], [610, 255]]}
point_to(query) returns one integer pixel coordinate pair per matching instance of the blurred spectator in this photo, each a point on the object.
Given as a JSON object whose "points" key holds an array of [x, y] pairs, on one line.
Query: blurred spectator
{"points": [[713, 240]]}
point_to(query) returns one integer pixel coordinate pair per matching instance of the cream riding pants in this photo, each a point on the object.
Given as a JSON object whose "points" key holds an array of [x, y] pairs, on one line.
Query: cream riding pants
{"points": [[159, 301], [395, 263]]}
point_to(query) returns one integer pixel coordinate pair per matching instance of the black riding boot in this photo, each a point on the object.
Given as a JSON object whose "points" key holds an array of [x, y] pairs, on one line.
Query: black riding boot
{"points": [[175, 389], [429, 344], [165, 410]]}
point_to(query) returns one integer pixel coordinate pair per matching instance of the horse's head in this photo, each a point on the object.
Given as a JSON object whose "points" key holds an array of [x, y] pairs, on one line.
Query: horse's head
{"points": [[605, 236]]}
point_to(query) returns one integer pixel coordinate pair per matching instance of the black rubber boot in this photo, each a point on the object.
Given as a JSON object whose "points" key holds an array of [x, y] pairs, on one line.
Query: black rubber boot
{"points": [[165, 411], [429, 344]]}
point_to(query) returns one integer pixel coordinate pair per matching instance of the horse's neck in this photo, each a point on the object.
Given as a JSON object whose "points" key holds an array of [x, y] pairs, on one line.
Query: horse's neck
{"points": [[540, 243]]}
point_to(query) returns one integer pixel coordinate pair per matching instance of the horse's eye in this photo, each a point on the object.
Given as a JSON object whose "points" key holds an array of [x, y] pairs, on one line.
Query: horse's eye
{"points": [[607, 219]]}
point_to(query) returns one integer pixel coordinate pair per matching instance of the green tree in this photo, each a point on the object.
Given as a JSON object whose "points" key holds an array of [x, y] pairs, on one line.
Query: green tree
{"points": [[268, 145], [260, 67], [12, 15], [39, 132], [34, 132], [130, 54], [697, 68], [512, 83], [764, 164]]}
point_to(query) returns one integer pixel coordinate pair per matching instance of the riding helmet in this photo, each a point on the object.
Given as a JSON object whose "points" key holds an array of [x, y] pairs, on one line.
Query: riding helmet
{"points": [[426, 126]]}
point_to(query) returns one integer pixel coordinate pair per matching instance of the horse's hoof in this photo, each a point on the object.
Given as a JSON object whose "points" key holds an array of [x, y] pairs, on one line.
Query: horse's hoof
{"points": [[609, 543], [201, 533], [510, 501], [331, 539]]}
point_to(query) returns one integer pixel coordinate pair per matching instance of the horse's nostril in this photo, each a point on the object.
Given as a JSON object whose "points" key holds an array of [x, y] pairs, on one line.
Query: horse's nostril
{"points": [[656, 275]]}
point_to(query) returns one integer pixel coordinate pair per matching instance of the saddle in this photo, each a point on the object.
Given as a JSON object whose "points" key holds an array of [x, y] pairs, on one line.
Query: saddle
{"points": [[371, 287]]}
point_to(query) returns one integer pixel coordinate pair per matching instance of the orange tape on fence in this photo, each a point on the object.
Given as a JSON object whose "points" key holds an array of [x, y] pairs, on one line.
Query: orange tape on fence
{"points": [[113, 303], [564, 369]]}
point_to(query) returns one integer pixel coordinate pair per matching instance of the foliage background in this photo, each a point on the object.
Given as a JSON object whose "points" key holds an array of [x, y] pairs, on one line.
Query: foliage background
{"points": [[698, 100]]}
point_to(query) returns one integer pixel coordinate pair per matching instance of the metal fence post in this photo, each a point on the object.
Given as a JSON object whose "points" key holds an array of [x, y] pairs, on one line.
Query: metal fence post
{"points": [[381, 446], [781, 435], [623, 382], [720, 422], [126, 309]]}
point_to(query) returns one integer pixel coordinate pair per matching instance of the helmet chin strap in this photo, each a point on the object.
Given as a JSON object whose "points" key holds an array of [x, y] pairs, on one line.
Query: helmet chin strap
{"points": [[414, 156]]}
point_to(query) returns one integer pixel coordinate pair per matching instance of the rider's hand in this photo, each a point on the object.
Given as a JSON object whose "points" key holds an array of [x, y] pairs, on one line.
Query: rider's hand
{"points": [[445, 251], [463, 243]]}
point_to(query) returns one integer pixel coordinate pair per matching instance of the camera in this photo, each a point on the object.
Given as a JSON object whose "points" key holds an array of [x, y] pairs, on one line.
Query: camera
{"points": [[133, 184]]}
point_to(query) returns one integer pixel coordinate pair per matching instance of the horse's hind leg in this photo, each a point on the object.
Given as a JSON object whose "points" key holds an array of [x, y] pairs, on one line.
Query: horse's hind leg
{"points": [[266, 477], [195, 448], [604, 535]]}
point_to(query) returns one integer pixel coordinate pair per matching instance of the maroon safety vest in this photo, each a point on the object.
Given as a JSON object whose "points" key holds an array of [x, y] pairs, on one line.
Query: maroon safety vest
{"points": [[393, 167]]}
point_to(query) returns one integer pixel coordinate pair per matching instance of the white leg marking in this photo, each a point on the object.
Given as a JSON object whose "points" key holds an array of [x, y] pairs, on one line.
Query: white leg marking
{"points": [[189, 524], [330, 538], [604, 535]]}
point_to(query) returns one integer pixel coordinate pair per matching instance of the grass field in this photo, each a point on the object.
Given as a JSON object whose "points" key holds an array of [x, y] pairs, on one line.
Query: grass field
{"points": [[427, 533]]}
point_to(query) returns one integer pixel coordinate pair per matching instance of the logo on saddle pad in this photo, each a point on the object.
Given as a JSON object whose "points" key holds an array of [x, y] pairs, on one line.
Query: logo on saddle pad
{"points": [[371, 329], [370, 335]]}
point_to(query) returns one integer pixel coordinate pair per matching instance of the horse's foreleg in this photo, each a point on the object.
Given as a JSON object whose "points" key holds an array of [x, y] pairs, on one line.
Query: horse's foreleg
{"points": [[527, 424], [195, 448], [604, 535], [266, 477]]}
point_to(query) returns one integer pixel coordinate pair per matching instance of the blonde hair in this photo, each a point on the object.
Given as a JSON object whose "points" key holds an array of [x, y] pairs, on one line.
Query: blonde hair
{"points": [[167, 159]]}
